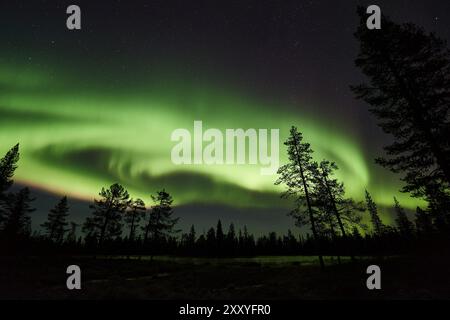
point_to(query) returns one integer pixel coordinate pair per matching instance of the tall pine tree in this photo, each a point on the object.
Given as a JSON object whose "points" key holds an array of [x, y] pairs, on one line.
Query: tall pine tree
{"points": [[409, 92], [8, 164], [72, 234], [330, 195], [377, 224], [298, 176], [405, 226], [134, 216]]}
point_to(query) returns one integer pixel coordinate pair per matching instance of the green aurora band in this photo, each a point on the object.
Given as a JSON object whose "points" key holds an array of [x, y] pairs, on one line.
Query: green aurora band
{"points": [[80, 133]]}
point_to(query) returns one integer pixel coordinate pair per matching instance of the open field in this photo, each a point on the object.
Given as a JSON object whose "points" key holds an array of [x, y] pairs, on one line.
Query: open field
{"points": [[245, 278], [263, 260]]}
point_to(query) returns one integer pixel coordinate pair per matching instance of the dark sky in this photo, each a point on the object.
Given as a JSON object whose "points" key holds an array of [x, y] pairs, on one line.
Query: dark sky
{"points": [[296, 56]]}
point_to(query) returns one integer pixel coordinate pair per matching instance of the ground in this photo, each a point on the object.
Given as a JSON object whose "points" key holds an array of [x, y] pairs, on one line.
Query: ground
{"points": [[266, 278]]}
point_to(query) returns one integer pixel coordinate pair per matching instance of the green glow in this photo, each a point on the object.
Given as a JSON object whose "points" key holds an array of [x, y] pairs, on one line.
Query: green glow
{"points": [[78, 134]]}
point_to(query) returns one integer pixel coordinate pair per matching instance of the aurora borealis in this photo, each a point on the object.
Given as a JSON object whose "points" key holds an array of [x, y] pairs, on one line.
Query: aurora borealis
{"points": [[98, 106], [77, 144]]}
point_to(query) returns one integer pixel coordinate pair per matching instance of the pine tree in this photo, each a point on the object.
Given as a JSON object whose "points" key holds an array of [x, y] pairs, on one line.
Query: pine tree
{"points": [[408, 91], [298, 177], [55, 226], [220, 237], [231, 241], [17, 222], [377, 224], [424, 223], [404, 225], [329, 195], [107, 214], [231, 234], [192, 235], [8, 164], [72, 234], [134, 215], [191, 238], [211, 243], [248, 241], [160, 222]]}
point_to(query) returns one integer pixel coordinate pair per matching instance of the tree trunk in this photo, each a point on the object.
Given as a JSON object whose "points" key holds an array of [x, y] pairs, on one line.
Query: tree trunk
{"points": [[311, 216], [336, 212]]}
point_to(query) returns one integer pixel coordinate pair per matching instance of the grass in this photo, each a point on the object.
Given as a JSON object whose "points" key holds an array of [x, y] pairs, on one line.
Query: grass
{"points": [[264, 260], [240, 278]]}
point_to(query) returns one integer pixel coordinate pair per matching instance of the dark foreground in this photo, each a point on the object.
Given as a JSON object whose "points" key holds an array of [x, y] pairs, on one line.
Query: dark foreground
{"points": [[45, 278]]}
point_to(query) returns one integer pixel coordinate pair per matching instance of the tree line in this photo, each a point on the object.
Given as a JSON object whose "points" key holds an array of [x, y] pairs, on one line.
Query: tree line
{"points": [[121, 225]]}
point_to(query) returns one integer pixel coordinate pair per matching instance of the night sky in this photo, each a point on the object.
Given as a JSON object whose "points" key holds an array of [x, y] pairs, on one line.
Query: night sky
{"points": [[97, 106]]}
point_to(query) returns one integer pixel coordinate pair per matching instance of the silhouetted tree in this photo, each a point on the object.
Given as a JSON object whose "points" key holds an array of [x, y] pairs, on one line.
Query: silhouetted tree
{"points": [[55, 226], [377, 225], [290, 243], [298, 176], [409, 92], [160, 221], [190, 239], [219, 236], [424, 224], [17, 222], [192, 235], [72, 234], [231, 241], [107, 215], [329, 194], [437, 196], [8, 164], [134, 216], [211, 244], [405, 226], [247, 241]]}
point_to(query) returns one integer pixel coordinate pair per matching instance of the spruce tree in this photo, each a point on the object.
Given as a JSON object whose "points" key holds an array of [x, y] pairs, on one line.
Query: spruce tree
{"points": [[231, 241], [8, 164], [55, 226], [220, 237], [404, 225], [377, 224], [17, 221], [72, 234]]}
